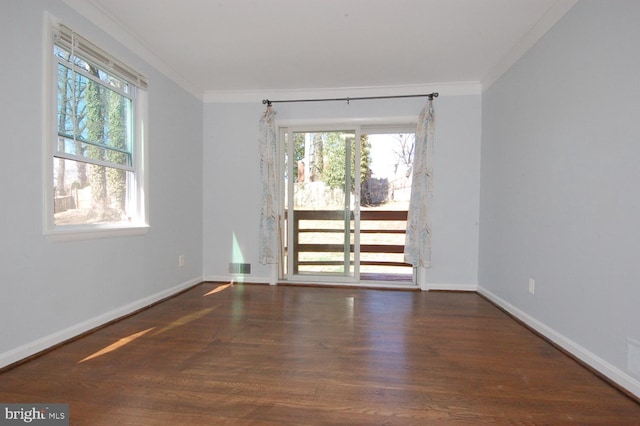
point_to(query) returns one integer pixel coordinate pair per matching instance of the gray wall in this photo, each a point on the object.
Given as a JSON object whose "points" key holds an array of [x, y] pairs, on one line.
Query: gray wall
{"points": [[232, 180], [51, 291], [560, 197]]}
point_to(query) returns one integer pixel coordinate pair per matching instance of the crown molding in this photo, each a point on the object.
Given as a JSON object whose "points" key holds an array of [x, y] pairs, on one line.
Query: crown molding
{"points": [[241, 96], [539, 29], [107, 23]]}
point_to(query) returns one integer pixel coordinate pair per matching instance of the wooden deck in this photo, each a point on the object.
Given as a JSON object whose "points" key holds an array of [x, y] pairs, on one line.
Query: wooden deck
{"points": [[287, 355], [382, 235]]}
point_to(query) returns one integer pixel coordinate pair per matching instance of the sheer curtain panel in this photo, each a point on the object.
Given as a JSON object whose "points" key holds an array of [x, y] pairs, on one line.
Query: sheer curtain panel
{"points": [[417, 249], [268, 217]]}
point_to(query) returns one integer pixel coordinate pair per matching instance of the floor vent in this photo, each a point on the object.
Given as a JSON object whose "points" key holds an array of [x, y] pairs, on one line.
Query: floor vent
{"points": [[239, 268]]}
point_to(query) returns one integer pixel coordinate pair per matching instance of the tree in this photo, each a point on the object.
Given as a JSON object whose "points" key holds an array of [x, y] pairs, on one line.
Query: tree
{"points": [[327, 156], [116, 178], [96, 135], [365, 171], [71, 122], [298, 152], [404, 151], [317, 165], [335, 152], [65, 114]]}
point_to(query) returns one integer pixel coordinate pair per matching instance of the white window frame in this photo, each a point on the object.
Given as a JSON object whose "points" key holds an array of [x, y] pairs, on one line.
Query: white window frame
{"points": [[139, 223]]}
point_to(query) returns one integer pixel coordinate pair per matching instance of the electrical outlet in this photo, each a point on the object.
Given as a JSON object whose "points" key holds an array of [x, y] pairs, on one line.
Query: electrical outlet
{"points": [[532, 286], [181, 261]]}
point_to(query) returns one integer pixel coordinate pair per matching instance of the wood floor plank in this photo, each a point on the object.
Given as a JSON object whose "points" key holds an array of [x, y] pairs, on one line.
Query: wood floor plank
{"points": [[269, 355]]}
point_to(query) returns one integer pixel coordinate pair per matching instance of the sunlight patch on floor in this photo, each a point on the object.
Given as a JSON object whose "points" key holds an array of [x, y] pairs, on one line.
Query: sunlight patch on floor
{"points": [[219, 289], [117, 345], [185, 320]]}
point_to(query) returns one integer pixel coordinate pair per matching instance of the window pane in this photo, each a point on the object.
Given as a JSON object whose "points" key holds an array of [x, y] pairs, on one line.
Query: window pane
{"points": [[90, 194], [386, 188], [66, 104], [390, 161], [98, 117], [103, 115]]}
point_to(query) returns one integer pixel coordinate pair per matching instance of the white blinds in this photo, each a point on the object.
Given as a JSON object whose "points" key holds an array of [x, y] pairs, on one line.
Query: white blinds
{"points": [[66, 37]]}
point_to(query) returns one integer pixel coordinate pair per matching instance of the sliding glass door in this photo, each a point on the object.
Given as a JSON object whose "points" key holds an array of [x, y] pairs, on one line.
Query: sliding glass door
{"points": [[346, 193]]}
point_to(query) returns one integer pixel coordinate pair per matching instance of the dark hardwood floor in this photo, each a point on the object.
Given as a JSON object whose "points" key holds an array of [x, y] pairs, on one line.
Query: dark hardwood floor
{"points": [[286, 355]]}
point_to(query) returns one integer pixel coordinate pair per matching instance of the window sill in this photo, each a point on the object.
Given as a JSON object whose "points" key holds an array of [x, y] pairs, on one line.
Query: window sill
{"points": [[77, 233]]}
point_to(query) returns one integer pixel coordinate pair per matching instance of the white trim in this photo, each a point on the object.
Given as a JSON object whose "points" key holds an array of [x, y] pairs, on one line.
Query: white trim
{"points": [[321, 279], [382, 285], [89, 233], [239, 278], [557, 10], [387, 285], [48, 125], [461, 88], [108, 23], [610, 371], [39, 345], [452, 286], [89, 160]]}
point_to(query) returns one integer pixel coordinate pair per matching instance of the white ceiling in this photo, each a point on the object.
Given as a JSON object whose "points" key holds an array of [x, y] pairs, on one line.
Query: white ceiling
{"points": [[211, 46]]}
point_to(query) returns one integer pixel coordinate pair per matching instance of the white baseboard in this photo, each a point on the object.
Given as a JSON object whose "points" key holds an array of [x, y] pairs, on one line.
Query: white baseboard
{"points": [[237, 279], [608, 370], [452, 287], [39, 345], [266, 280]]}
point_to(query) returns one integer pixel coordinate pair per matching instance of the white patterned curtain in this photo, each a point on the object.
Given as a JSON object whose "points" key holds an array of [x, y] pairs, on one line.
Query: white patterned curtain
{"points": [[268, 217], [417, 247]]}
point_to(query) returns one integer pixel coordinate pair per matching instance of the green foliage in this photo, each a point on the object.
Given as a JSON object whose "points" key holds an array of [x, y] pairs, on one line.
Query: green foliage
{"points": [[298, 153], [335, 151], [95, 134], [334, 173], [106, 127], [328, 158], [365, 157], [116, 178]]}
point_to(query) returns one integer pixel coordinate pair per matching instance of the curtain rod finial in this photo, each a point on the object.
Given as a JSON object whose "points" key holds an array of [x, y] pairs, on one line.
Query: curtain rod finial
{"points": [[266, 102]]}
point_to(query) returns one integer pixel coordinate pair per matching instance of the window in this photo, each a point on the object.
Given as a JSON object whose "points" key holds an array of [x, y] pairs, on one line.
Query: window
{"points": [[95, 152]]}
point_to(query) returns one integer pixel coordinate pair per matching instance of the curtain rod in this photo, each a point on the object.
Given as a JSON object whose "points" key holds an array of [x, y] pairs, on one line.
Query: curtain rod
{"points": [[429, 95]]}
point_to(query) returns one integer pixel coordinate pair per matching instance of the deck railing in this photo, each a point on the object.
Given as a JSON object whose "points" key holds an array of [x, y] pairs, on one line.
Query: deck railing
{"points": [[378, 228]]}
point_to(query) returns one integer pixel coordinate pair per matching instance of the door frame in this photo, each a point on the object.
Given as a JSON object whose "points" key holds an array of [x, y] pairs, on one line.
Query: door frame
{"points": [[360, 126]]}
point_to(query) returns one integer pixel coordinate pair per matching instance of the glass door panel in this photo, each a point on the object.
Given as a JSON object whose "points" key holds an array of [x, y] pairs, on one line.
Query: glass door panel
{"points": [[385, 194], [320, 203]]}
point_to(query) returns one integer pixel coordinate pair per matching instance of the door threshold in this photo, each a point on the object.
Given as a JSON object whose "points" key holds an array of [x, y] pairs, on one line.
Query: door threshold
{"points": [[378, 285]]}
